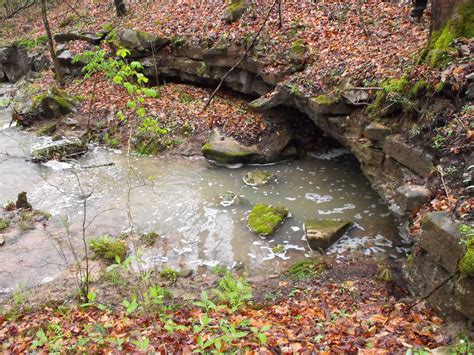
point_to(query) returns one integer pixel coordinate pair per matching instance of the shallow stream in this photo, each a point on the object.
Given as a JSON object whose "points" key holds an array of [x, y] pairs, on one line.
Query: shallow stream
{"points": [[179, 198]]}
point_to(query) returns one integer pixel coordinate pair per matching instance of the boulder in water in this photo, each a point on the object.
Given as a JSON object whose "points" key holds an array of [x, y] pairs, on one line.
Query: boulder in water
{"points": [[321, 234], [22, 201], [223, 149], [265, 219], [227, 150]]}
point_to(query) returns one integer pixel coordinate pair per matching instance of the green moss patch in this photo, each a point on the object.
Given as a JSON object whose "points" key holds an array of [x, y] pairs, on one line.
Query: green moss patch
{"points": [[326, 99], [109, 249], [169, 274], [466, 265], [265, 219], [442, 41]]}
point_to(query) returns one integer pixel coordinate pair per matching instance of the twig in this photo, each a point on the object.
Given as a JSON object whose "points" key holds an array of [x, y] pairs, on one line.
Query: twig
{"points": [[432, 291], [97, 166], [441, 174], [254, 40], [24, 7], [76, 12]]}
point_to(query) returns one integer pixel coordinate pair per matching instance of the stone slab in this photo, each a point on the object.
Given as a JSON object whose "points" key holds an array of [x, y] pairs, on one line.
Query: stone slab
{"points": [[440, 237], [412, 157]]}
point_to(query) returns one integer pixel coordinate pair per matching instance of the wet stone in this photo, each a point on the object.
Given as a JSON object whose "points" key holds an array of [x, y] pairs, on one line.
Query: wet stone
{"points": [[258, 178], [321, 234], [229, 198]]}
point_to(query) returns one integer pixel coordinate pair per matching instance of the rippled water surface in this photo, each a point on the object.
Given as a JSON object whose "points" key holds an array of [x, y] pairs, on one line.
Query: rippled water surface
{"points": [[179, 198]]}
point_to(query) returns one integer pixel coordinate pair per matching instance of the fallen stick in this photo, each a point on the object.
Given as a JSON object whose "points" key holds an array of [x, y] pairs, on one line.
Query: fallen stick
{"points": [[98, 166]]}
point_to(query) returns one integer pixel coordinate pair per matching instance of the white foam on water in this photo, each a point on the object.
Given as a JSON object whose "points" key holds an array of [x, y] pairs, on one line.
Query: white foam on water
{"points": [[57, 165], [330, 154], [312, 196], [347, 206]]}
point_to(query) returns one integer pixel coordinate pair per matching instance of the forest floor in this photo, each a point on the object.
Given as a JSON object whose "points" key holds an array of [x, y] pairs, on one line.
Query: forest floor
{"points": [[328, 307]]}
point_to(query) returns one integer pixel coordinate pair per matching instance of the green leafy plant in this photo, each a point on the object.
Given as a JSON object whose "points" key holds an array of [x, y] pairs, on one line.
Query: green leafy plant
{"points": [[169, 274], [305, 269], [233, 290], [131, 305], [259, 333], [205, 302], [129, 76], [4, 223]]}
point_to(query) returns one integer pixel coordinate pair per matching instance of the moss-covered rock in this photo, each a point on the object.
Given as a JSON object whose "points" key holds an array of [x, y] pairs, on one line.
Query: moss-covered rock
{"points": [[466, 264], [329, 104], [258, 178], [298, 54], [321, 234], [55, 103], [265, 219], [234, 10], [22, 201], [47, 129], [139, 43], [442, 41], [108, 248]]}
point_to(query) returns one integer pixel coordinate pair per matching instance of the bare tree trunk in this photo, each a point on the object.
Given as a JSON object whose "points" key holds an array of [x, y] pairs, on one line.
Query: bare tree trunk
{"points": [[120, 8], [280, 13], [442, 10], [57, 68]]}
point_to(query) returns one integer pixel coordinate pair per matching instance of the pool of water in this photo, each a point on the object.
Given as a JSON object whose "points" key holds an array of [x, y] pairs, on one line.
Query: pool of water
{"points": [[179, 198]]}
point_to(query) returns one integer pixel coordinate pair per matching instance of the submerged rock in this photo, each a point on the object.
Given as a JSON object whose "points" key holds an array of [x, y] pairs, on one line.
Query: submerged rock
{"points": [[229, 198], [265, 219], [321, 234], [59, 150], [257, 178]]}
